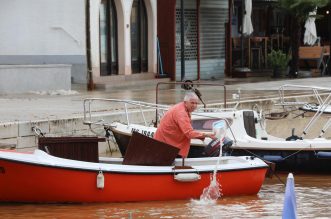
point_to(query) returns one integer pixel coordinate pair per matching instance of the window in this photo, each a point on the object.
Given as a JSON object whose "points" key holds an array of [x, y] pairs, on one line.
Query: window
{"points": [[139, 37], [108, 38], [207, 124]]}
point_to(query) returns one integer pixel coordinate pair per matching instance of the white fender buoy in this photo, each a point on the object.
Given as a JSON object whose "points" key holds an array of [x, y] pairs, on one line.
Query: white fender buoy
{"points": [[100, 180], [187, 177]]}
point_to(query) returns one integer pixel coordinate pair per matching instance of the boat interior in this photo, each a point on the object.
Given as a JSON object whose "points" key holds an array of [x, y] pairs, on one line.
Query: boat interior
{"points": [[188, 162]]}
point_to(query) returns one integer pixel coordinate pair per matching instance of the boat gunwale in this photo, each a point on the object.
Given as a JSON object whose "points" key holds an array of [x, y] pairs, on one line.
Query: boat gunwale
{"points": [[160, 171]]}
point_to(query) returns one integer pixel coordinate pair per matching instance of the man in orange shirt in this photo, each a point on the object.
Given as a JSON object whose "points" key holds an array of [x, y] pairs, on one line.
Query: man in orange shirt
{"points": [[175, 127]]}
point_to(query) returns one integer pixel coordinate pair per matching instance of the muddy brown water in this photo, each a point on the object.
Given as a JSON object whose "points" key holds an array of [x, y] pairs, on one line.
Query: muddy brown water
{"points": [[313, 193]]}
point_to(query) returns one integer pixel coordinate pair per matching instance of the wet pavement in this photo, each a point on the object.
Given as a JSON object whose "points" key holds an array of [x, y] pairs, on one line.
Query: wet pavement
{"points": [[68, 104]]}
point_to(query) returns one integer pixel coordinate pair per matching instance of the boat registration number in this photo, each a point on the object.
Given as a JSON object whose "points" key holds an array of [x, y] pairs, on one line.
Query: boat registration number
{"points": [[2, 170], [144, 132]]}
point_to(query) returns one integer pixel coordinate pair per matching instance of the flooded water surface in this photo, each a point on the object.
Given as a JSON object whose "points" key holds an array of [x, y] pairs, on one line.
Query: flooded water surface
{"points": [[313, 194]]}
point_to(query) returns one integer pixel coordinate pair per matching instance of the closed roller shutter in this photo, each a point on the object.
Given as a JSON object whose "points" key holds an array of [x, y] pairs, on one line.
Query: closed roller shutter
{"points": [[191, 44], [213, 16]]}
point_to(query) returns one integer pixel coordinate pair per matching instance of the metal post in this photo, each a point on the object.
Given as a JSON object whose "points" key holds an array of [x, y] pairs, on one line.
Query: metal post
{"points": [[89, 76], [329, 25], [182, 40], [242, 36], [198, 37]]}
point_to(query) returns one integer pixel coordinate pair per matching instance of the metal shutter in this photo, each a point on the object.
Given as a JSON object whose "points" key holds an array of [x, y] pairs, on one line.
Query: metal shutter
{"points": [[191, 44], [213, 16]]}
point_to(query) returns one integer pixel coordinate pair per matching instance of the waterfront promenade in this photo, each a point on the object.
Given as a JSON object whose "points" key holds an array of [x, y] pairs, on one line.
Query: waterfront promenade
{"points": [[61, 112], [68, 104]]}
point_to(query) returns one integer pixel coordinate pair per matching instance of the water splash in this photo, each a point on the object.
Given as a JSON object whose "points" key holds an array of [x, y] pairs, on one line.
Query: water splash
{"points": [[213, 192]]}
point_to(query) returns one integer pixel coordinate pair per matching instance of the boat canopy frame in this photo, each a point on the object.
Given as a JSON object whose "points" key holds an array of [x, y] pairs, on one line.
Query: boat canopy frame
{"points": [[323, 103], [143, 107]]}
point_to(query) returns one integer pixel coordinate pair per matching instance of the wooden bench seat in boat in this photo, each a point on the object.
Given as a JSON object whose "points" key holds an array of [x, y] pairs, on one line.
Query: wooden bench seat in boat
{"points": [[83, 148], [143, 150]]}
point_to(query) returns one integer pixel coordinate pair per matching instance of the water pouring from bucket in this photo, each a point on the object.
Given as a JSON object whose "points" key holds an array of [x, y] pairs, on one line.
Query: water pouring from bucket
{"points": [[212, 192]]}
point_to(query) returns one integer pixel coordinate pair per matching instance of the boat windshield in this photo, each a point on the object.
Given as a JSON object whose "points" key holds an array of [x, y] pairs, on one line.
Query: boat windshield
{"points": [[206, 124]]}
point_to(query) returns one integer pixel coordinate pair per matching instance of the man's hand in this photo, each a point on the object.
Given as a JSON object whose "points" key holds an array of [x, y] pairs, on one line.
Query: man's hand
{"points": [[209, 135]]}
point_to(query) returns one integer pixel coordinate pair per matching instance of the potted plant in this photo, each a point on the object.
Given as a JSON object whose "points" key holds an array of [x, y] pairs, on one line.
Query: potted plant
{"points": [[278, 60]]}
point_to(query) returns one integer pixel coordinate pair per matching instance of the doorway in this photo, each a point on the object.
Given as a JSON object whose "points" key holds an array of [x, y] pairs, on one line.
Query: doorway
{"points": [[108, 38], [139, 37]]}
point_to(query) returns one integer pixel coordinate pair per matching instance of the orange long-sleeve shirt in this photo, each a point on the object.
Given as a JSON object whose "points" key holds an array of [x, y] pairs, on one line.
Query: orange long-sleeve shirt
{"points": [[175, 129]]}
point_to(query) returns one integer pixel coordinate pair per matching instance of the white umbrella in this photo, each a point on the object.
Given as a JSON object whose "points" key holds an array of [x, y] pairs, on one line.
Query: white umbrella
{"points": [[247, 22], [310, 36]]}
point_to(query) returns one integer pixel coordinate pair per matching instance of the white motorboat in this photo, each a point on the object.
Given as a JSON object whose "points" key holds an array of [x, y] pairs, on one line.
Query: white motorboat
{"points": [[246, 135]]}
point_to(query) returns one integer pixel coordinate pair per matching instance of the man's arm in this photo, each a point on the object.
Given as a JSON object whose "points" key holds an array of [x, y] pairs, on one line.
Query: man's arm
{"points": [[184, 123]]}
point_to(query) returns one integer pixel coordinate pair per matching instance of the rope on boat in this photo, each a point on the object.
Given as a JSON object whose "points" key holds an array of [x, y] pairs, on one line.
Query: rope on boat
{"points": [[248, 151], [269, 167], [295, 152], [37, 131], [110, 137], [284, 158]]}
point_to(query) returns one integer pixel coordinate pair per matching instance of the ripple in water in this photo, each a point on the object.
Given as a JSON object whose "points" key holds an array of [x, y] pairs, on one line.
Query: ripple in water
{"points": [[313, 197]]}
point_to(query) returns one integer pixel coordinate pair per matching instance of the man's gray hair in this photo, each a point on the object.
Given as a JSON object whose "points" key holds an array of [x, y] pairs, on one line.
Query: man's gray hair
{"points": [[190, 96]]}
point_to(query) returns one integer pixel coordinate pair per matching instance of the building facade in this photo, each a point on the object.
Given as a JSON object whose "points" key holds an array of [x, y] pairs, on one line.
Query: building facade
{"points": [[46, 40], [204, 33], [123, 39], [122, 35]]}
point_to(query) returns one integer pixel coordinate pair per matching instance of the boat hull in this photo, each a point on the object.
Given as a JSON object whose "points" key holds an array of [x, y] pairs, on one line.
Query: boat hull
{"points": [[291, 160], [27, 182]]}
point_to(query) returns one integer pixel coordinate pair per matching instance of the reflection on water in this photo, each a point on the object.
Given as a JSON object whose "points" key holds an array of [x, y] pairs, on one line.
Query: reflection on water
{"points": [[313, 195]]}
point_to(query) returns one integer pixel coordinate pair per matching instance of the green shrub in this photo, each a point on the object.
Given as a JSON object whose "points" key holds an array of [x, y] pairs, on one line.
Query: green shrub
{"points": [[278, 59]]}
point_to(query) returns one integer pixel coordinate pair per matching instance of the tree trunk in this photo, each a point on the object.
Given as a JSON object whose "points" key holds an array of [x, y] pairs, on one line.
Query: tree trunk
{"points": [[295, 42]]}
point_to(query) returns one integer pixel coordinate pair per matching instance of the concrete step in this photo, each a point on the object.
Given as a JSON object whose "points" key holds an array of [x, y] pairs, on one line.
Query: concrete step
{"points": [[134, 81], [229, 81], [131, 84], [246, 73]]}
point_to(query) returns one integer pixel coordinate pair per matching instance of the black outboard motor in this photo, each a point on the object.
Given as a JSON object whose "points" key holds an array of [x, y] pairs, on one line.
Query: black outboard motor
{"points": [[213, 148], [293, 137], [227, 143]]}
